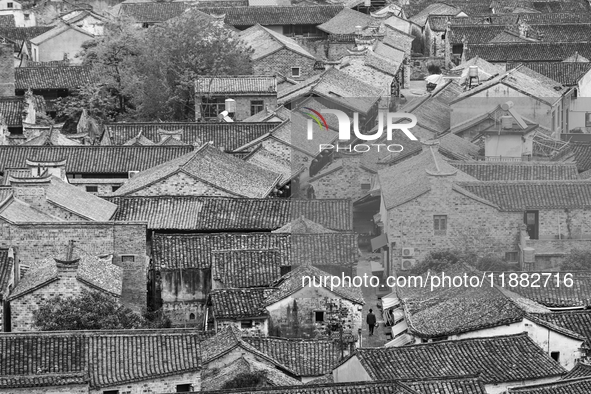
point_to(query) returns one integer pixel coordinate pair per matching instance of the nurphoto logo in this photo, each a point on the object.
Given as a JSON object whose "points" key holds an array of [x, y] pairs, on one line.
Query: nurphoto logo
{"points": [[345, 129]]}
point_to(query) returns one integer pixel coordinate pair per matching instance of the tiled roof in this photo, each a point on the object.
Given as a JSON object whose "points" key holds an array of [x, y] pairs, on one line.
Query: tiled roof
{"points": [[99, 273], [275, 15], [518, 171], [475, 34], [384, 387], [240, 268], [264, 158], [304, 357], [345, 22], [153, 11], [302, 225], [20, 34], [489, 358], [428, 312], [408, 180], [567, 73], [521, 195], [571, 386], [240, 214], [457, 148], [576, 321], [265, 42], [582, 154], [227, 135], [196, 251], [434, 9], [210, 165], [6, 267], [553, 18], [41, 356], [92, 159], [43, 380], [291, 283], [238, 303], [225, 340], [70, 77], [11, 109], [529, 52], [556, 296], [447, 386], [215, 379], [7, 21], [239, 84], [136, 355], [581, 370]]}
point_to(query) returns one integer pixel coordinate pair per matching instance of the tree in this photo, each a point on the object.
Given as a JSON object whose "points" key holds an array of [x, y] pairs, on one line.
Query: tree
{"points": [[439, 261], [172, 56], [246, 380], [494, 263], [90, 311], [577, 260]]}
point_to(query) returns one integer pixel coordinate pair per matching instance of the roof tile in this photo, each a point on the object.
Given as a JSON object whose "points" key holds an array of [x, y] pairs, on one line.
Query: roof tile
{"points": [[38, 78]]}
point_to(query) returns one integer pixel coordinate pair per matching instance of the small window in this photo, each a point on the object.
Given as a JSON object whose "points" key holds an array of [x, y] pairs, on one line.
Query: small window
{"points": [[22, 270], [588, 119], [246, 324], [511, 256], [184, 388], [114, 188], [111, 392], [256, 106], [9, 5], [295, 72], [319, 316], [440, 224], [285, 269], [127, 259], [92, 189], [191, 316], [555, 356], [365, 186], [145, 25]]}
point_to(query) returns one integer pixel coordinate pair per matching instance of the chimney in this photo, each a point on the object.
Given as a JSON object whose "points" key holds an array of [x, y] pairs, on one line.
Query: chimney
{"points": [[7, 85], [68, 267]]}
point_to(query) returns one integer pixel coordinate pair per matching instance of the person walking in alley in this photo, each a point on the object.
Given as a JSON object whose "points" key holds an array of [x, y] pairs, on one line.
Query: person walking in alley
{"points": [[371, 321]]}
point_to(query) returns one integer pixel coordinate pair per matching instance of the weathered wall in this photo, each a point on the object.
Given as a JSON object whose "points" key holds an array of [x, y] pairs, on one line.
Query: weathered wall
{"points": [[293, 317], [69, 42], [260, 327], [342, 179], [165, 384], [69, 389], [183, 293]]}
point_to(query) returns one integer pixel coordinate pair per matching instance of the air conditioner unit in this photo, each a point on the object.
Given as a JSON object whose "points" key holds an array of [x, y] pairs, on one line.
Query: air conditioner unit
{"points": [[408, 252], [407, 264], [131, 174]]}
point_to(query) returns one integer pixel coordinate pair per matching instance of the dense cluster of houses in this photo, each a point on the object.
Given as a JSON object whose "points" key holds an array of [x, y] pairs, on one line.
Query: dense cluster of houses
{"points": [[215, 222]]}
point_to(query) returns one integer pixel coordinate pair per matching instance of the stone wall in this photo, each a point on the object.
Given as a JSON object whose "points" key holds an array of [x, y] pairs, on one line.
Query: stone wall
{"points": [[39, 241], [342, 179], [23, 308], [180, 184], [282, 61], [471, 225], [7, 83], [167, 384], [293, 317], [259, 327]]}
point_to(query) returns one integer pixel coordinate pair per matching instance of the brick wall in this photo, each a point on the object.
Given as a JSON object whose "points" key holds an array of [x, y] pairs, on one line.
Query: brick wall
{"points": [[6, 70], [243, 105], [69, 389], [342, 179], [23, 308], [165, 384], [35, 242], [471, 225], [337, 50], [282, 61], [296, 157], [260, 327], [180, 185], [293, 317]]}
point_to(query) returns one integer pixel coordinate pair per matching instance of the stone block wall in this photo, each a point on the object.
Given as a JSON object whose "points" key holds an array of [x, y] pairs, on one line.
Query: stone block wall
{"points": [[293, 317], [166, 384], [36, 242], [342, 179], [184, 292], [259, 327], [282, 62]]}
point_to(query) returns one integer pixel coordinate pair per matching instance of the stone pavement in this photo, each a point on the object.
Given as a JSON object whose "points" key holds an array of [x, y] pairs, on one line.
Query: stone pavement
{"points": [[371, 300]]}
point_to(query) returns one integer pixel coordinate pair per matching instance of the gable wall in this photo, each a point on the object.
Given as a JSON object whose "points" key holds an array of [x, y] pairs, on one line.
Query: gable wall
{"points": [[282, 61], [69, 42], [180, 184], [165, 384], [184, 292], [344, 183]]}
